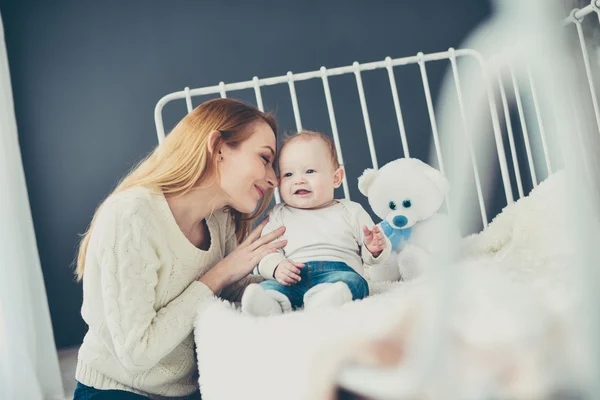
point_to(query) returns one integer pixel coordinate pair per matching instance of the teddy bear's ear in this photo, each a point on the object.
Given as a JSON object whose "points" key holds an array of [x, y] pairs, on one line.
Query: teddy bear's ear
{"points": [[439, 180], [365, 180]]}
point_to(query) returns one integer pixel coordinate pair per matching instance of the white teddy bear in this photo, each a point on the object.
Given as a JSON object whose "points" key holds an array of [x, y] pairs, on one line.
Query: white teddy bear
{"points": [[407, 195]]}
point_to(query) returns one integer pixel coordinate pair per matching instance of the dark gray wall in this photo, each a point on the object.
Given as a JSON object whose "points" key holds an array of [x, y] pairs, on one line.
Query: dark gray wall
{"points": [[86, 77]]}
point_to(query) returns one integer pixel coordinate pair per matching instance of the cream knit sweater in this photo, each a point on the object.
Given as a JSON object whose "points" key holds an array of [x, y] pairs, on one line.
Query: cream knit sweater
{"points": [[141, 296]]}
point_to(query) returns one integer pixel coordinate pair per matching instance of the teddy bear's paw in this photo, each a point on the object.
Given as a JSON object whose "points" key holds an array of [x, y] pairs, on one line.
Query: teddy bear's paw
{"points": [[385, 273], [414, 262]]}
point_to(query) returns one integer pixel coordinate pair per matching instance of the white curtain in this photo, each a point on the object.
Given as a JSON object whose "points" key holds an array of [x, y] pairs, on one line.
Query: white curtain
{"points": [[29, 367]]}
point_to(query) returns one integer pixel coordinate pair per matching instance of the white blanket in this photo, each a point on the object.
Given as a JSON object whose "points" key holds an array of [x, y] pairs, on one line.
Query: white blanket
{"points": [[513, 284]]}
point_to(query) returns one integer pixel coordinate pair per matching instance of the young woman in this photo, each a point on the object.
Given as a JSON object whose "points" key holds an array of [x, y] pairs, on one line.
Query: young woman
{"points": [[165, 243]]}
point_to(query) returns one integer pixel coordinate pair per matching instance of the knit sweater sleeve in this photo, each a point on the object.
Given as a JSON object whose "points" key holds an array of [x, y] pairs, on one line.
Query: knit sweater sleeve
{"points": [[127, 246]]}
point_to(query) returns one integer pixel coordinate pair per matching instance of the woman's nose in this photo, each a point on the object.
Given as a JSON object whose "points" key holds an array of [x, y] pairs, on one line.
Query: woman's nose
{"points": [[271, 178]]}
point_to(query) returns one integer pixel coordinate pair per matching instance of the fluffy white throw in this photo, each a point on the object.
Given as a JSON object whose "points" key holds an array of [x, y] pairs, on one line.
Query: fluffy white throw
{"points": [[513, 287]]}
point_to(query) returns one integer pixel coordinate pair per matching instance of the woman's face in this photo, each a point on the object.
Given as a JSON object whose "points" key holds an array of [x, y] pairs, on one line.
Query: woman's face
{"points": [[247, 171]]}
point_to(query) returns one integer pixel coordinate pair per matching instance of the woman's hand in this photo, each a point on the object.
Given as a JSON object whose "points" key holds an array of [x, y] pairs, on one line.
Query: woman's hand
{"points": [[288, 272], [240, 262]]}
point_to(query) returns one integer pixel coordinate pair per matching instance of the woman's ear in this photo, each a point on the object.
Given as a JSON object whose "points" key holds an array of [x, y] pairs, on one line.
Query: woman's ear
{"points": [[213, 141], [338, 177]]}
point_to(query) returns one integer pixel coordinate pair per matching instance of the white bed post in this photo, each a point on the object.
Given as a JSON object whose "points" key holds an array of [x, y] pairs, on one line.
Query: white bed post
{"points": [[334, 131]]}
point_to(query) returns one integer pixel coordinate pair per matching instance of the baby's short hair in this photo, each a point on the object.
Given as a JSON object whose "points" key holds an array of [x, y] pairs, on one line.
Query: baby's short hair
{"points": [[313, 135]]}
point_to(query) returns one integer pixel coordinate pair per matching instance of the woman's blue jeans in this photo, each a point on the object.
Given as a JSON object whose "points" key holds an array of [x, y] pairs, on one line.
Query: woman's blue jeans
{"points": [[83, 392]]}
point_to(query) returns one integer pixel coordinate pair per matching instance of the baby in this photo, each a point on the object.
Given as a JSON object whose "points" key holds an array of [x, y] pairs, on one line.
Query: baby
{"points": [[328, 239]]}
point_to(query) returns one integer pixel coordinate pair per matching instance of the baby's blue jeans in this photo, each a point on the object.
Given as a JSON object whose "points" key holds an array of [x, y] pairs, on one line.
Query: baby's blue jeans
{"points": [[316, 272]]}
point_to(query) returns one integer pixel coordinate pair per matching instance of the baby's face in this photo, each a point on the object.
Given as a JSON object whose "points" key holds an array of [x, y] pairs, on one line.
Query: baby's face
{"points": [[307, 173]]}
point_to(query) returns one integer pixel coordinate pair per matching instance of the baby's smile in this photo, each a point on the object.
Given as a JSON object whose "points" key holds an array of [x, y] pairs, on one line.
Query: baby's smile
{"points": [[302, 192]]}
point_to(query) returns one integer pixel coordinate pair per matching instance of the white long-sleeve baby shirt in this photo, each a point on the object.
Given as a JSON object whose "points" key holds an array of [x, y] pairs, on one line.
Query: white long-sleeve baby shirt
{"points": [[332, 233]]}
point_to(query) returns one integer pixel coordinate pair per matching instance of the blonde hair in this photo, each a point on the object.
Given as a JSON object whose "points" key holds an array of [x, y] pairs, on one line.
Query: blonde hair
{"points": [[313, 135], [182, 160]]}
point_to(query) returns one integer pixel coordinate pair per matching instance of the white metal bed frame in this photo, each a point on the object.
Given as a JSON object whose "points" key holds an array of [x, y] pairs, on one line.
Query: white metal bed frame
{"points": [[323, 74], [223, 89], [494, 84]]}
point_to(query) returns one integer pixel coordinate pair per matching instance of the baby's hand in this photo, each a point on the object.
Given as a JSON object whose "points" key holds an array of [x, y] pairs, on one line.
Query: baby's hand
{"points": [[374, 240], [288, 272]]}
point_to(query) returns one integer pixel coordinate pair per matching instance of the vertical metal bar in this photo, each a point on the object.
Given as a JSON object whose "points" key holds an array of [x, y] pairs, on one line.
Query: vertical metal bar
{"points": [[334, 130], [365, 112], [470, 144], [579, 133], [588, 69], [539, 119], [436, 139], [158, 122], [523, 123], [259, 101], [294, 100], [188, 100], [261, 107], [222, 90], [393, 86], [511, 137], [488, 81]]}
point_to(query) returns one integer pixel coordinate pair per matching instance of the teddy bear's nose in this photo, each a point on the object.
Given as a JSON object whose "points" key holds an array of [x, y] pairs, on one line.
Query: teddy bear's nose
{"points": [[400, 221]]}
